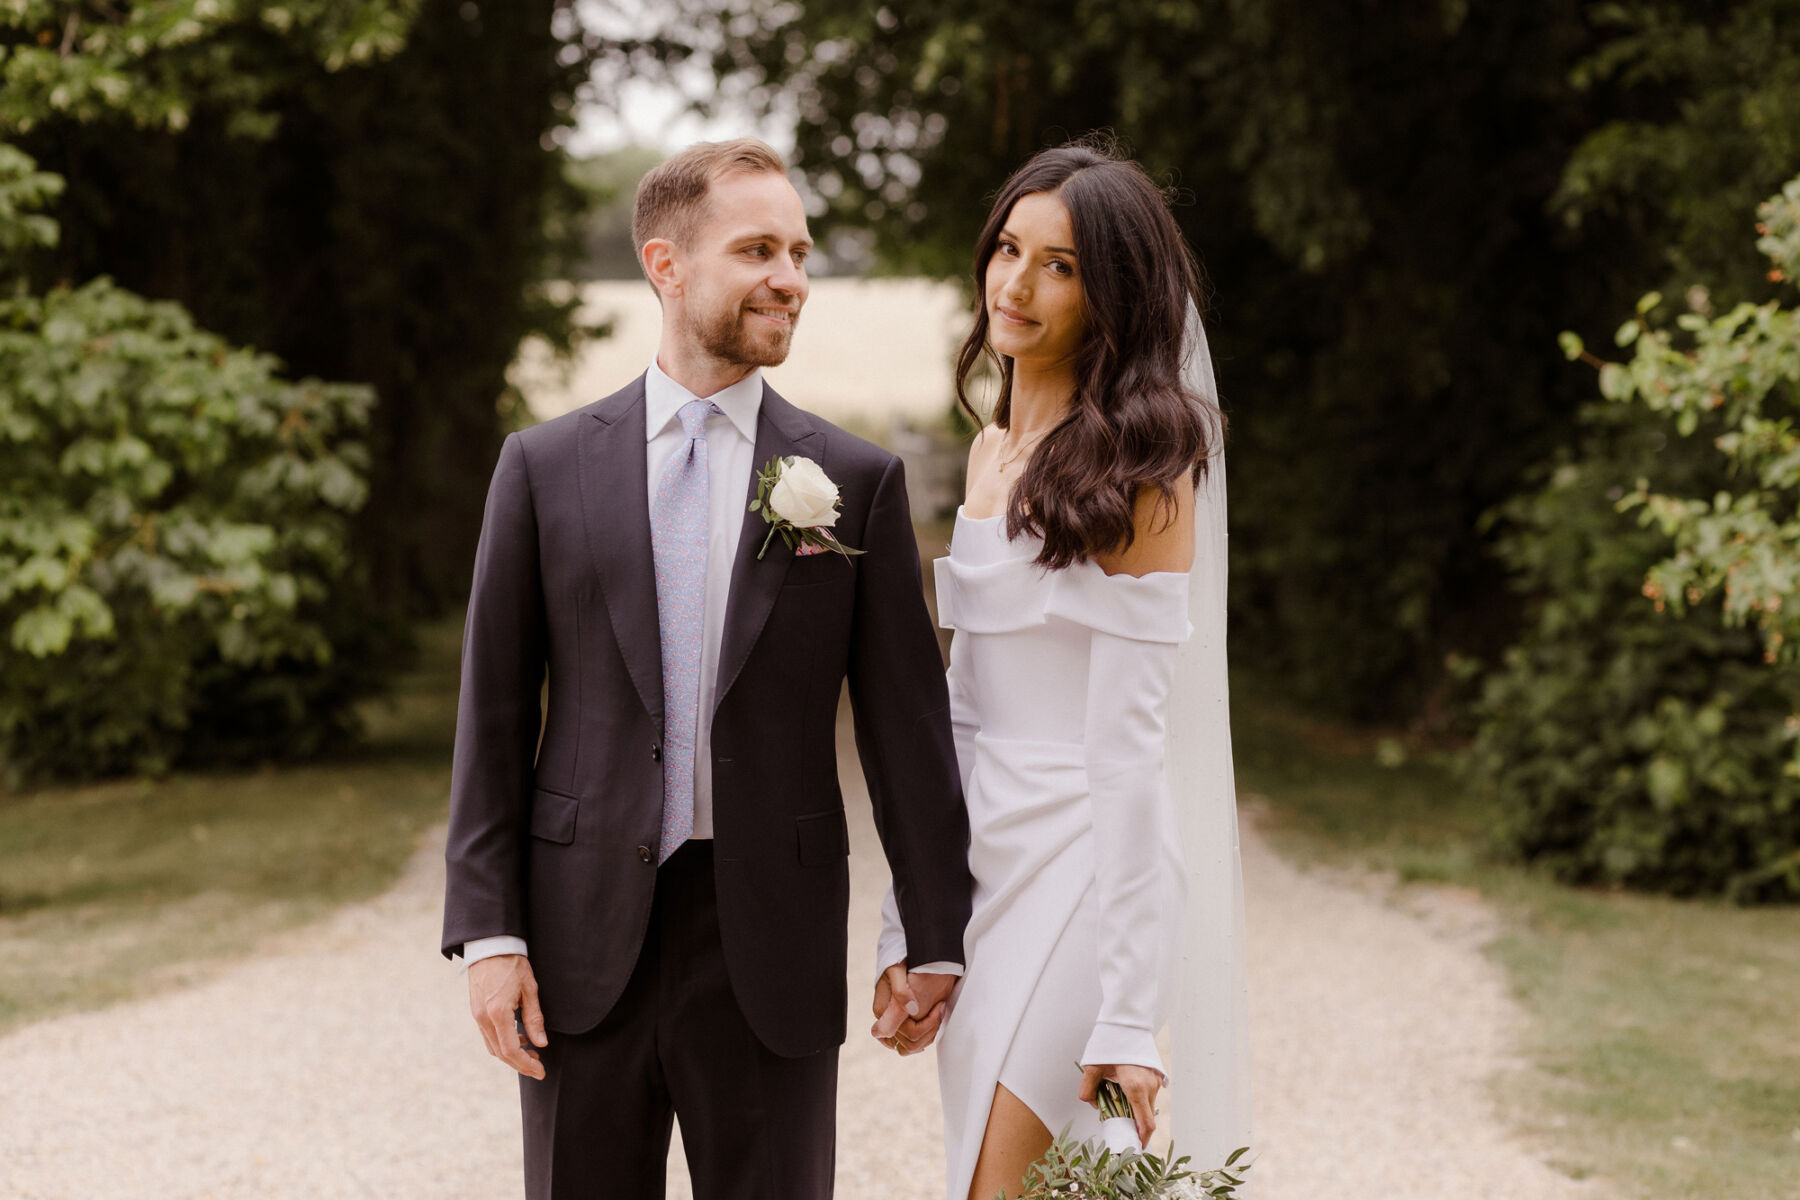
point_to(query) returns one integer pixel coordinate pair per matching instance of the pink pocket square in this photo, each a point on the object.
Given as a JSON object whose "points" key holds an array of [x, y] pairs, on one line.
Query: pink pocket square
{"points": [[809, 548]]}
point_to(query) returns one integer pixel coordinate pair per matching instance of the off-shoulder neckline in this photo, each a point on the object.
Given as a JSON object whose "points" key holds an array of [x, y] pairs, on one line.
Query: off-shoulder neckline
{"points": [[962, 514]]}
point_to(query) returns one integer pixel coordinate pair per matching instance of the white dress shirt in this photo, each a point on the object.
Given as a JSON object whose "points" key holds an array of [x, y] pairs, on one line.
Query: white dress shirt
{"points": [[730, 447]]}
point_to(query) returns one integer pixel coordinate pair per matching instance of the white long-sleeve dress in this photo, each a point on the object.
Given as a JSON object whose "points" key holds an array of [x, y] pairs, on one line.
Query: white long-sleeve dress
{"points": [[1058, 687]]}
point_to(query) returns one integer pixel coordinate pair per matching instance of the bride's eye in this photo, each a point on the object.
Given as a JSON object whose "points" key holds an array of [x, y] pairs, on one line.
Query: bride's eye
{"points": [[1008, 249]]}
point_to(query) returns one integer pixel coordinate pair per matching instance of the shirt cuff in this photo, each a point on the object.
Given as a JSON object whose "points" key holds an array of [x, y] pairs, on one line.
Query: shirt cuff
{"points": [[476, 949], [937, 968]]}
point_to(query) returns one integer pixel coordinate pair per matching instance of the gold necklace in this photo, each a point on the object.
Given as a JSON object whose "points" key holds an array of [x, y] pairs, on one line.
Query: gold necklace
{"points": [[1005, 462]]}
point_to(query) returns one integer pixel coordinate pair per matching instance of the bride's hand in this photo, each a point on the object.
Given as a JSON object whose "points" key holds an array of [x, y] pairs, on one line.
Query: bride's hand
{"points": [[897, 992], [1140, 1085]]}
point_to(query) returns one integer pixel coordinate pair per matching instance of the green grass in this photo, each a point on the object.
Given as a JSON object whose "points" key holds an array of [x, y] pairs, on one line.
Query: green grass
{"points": [[112, 890], [1665, 1041]]}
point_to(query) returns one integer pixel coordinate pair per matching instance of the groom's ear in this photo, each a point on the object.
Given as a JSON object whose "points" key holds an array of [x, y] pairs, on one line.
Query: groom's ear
{"points": [[658, 260]]}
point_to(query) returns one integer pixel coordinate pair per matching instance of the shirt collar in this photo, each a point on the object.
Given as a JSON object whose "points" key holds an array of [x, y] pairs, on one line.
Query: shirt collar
{"points": [[664, 398]]}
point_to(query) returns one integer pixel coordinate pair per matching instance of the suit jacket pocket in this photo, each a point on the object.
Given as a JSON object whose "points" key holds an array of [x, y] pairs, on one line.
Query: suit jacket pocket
{"points": [[553, 816], [824, 838]]}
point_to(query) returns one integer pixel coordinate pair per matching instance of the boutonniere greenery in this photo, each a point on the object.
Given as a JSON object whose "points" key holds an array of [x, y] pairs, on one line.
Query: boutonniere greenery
{"points": [[800, 503]]}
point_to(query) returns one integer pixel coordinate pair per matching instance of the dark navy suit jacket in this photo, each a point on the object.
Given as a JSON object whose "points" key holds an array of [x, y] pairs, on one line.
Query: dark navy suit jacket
{"points": [[556, 808]]}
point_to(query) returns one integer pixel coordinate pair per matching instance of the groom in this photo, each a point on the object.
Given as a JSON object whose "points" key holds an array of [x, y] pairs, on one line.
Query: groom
{"points": [[647, 857]]}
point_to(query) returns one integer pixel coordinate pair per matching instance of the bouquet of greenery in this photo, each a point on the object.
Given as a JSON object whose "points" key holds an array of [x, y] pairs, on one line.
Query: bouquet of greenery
{"points": [[1093, 1170]]}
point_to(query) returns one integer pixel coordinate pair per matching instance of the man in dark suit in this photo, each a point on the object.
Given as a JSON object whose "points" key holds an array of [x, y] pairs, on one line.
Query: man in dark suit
{"points": [[647, 874]]}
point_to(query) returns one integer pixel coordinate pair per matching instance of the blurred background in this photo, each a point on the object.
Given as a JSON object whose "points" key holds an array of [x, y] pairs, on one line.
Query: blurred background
{"points": [[1502, 300]]}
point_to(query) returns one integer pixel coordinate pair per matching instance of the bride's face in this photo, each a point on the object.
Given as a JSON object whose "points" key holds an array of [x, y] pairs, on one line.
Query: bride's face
{"points": [[1036, 309]]}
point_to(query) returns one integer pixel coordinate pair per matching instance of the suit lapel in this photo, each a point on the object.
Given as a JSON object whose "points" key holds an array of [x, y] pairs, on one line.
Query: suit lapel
{"points": [[615, 510], [781, 430]]}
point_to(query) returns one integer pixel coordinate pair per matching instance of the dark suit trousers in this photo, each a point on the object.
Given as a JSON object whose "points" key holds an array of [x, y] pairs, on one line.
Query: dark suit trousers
{"points": [[755, 1126]]}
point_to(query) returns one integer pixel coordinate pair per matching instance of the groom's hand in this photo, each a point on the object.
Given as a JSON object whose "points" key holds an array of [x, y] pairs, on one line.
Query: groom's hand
{"points": [[909, 1008], [499, 987]]}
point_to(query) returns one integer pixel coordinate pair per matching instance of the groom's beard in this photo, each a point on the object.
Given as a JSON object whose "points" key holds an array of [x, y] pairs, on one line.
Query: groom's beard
{"points": [[739, 336]]}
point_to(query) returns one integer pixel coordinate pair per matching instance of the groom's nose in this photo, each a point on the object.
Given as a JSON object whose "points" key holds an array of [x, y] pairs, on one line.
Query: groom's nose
{"points": [[787, 277]]}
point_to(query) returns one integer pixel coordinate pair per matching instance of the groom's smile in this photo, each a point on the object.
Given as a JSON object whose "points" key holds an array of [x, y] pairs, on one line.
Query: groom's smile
{"points": [[783, 317]]}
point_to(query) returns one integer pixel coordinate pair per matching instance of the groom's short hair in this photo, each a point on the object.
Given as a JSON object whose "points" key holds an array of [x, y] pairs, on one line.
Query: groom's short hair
{"points": [[671, 198]]}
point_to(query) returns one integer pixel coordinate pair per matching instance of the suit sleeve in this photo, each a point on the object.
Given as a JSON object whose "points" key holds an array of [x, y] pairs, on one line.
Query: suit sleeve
{"points": [[890, 947], [902, 712], [498, 715]]}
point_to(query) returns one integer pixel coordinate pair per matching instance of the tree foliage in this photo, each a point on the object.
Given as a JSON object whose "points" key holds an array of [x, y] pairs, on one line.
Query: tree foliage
{"points": [[1702, 108], [360, 187], [177, 582], [1643, 730], [153, 61], [1741, 544]]}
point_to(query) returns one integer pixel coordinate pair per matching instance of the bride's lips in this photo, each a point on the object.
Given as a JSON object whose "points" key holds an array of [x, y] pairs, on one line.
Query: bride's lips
{"points": [[1010, 316]]}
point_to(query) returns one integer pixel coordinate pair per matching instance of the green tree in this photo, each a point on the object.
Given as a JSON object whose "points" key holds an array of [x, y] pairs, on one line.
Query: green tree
{"points": [[176, 577], [1704, 103], [1645, 729], [364, 188]]}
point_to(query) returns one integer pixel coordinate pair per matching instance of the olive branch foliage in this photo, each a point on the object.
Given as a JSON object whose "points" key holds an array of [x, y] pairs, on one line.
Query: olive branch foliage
{"points": [[1072, 1170]]}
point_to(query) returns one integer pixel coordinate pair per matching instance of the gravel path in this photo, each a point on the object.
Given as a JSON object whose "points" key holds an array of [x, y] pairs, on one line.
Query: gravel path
{"points": [[341, 1062]]}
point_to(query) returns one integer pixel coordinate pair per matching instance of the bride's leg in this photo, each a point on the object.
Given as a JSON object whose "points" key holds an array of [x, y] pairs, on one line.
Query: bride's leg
{"points": [[1015, 1139]]}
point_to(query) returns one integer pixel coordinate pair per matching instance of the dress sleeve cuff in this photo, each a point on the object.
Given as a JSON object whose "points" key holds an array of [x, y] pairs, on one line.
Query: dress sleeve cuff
{"points": [[1118, 1045], [938, 968]]}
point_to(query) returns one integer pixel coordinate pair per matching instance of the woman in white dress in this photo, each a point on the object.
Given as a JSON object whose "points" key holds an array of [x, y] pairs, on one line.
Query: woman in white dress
{"points": [[1068, 586]]}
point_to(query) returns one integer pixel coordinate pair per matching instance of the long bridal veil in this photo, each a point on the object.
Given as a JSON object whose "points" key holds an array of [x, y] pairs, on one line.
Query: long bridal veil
{"points": [[1210, 1088]]}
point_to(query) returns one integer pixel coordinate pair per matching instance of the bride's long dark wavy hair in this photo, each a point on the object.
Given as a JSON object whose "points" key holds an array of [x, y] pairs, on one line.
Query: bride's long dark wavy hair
{"points": [[1131, 423]]}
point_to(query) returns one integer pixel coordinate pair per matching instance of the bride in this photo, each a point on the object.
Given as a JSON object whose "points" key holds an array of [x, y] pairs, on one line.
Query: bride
{"points": [[1085, 583]]}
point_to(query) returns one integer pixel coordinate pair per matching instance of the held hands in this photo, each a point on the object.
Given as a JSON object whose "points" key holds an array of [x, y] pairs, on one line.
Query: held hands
{"points": [[499, 987], [1140, 1085], [909, 1008]]}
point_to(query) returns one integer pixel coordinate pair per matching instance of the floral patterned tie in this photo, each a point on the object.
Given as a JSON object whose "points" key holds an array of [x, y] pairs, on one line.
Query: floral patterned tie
{"points": [[678, 532]]}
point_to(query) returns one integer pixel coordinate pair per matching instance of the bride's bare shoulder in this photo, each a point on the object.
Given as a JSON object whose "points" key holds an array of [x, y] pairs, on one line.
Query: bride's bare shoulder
{"points": [[1163, 535]]}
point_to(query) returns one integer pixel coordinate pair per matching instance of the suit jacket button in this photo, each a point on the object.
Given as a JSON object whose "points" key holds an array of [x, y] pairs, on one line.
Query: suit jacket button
{"points": [[656, 752], [644, 853]]}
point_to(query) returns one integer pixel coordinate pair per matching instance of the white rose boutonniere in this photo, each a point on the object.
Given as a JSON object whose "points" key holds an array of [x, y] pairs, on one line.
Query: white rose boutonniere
{"points": [[799, 502]]}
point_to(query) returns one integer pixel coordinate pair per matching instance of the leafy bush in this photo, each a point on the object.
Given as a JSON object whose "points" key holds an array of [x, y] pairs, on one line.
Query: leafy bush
{"points": [[1645, 730], [176, 579]]}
